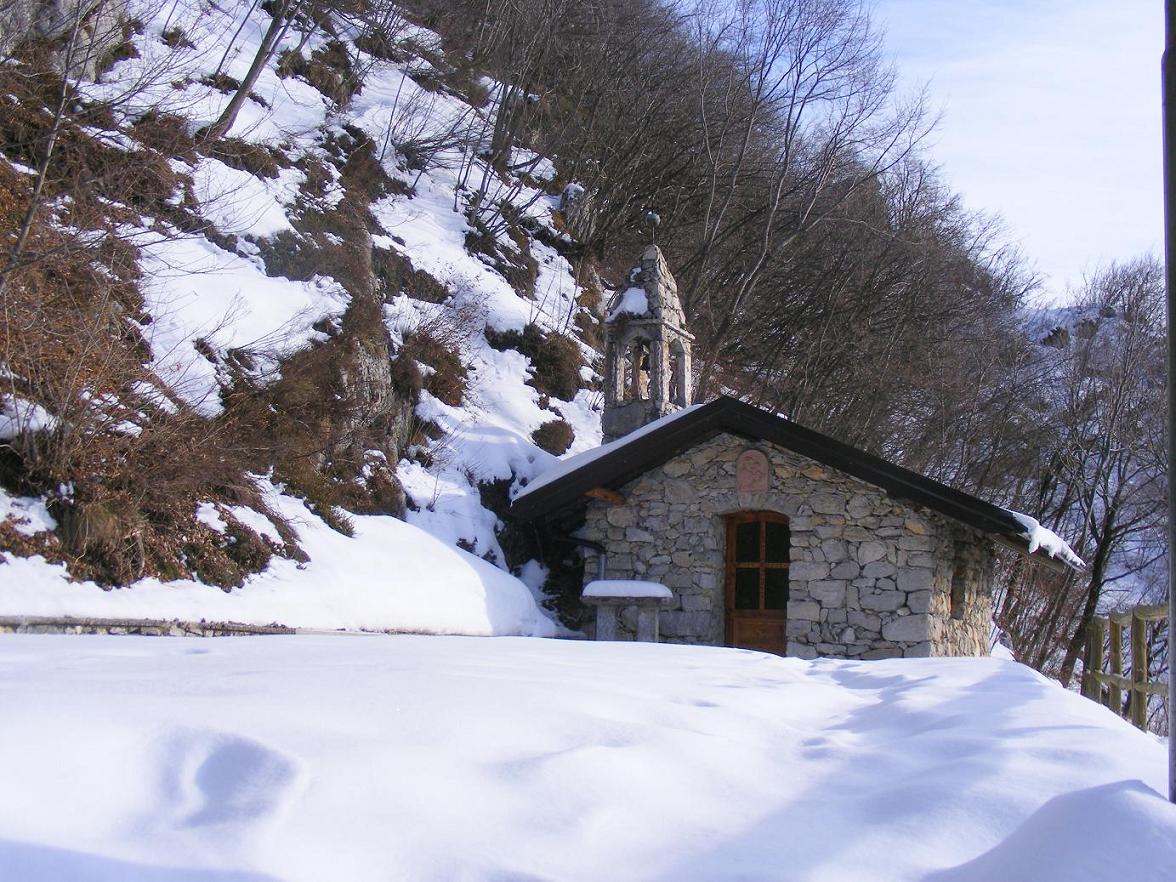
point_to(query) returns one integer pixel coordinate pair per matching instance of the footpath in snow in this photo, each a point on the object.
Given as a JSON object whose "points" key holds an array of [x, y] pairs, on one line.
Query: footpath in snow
{"points": [[358, 758]]}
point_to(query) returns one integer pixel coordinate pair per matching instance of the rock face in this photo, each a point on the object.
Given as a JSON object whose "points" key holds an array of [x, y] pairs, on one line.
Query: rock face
{"points": [[99, 28], [869, 577]]}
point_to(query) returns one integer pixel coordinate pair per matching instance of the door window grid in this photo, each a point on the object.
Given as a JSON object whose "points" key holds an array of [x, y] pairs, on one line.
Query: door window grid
{"points": [[761, 559]]}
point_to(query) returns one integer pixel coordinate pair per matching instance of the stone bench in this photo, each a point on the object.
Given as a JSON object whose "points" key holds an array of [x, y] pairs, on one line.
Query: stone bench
{"points": [[610, 596]]}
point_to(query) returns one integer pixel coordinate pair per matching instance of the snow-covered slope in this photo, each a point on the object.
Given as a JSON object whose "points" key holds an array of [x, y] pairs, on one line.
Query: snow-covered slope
{"points": [[211, 291], [430, 758], [388, 576]]}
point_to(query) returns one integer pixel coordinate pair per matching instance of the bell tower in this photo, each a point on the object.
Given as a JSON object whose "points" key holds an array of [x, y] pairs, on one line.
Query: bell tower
{"points": [[647, 349]]}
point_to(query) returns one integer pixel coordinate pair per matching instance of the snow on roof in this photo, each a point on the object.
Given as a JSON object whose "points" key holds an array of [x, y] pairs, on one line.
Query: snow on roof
{"points": [[563, 467], [1047, 540], [626, 588], [632, 301]]}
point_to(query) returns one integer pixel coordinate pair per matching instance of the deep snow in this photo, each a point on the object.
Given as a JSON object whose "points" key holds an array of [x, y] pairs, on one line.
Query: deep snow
{"points": [[358, 758]]}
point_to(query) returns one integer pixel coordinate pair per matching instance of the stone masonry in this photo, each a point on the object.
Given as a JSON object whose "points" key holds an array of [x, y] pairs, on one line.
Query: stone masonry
{"points": [[138, 627], [658, 334], [869, 576]]}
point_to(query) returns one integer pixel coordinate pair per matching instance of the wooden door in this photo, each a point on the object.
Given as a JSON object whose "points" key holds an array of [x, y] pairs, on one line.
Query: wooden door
{"points": [[757, 580]]}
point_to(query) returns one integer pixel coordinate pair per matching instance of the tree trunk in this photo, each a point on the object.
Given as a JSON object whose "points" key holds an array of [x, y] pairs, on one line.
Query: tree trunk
{"points": [[1098, 568], [284, 11]]}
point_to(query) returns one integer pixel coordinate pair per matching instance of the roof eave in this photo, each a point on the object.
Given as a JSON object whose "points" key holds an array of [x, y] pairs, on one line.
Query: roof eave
{"points": [[744, 420]]}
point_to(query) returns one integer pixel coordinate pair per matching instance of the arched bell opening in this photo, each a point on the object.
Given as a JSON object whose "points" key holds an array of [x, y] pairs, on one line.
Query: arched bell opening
{"points": [[679, 394], [638, 367]]}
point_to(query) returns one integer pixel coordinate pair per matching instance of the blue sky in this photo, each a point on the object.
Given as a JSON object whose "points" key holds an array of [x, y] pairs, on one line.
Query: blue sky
{"points": [[1051, 118]]}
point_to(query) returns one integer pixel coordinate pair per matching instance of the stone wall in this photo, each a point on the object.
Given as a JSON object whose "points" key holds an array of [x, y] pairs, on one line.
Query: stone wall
{"points": [[141, 627], [870, 577], [962, 627]]}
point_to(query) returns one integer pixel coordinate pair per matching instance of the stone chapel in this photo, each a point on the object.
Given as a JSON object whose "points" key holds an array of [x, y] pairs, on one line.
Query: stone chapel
{"points": [[770, 536]]}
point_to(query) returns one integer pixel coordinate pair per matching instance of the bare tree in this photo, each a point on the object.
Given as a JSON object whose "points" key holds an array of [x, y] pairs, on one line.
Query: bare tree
{"points": [[1099, 477], [283, 13]]}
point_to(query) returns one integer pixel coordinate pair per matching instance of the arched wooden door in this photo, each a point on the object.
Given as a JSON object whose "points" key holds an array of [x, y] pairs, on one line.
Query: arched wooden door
{"points": [[757, 580]]}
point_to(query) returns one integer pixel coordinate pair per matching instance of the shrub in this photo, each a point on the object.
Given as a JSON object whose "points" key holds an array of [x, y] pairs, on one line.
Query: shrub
{"points": [[380, 43], [407, 378], [243, 156], [447, 381], [164, 132], [221, 81], [516, 264], [546, 543], [385, 494], [290, 255], [555, 358], [177, 38], [322, 495], [225, 559], [363, 174], [329, 69], [557, 367], [108, 533], [554, 436], [122, 50], [395, 274]]}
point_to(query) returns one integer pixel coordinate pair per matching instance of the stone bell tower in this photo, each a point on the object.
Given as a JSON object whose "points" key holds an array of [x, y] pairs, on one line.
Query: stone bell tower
{"points": [[647, 349]]}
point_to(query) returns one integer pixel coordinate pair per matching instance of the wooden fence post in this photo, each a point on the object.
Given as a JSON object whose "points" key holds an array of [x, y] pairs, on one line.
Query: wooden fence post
{"points": [[1094, 659], [1139, 670], [1114, 690]]}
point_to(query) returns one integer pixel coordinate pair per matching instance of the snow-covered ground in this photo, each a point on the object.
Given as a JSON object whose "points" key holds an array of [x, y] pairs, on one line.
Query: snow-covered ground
{"points": [[436, 758], [389, 576]]}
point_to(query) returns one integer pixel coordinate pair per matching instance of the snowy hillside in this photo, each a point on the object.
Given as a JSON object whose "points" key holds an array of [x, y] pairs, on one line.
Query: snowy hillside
{"points": [[388, 576], [423, 758], [229, 304]]}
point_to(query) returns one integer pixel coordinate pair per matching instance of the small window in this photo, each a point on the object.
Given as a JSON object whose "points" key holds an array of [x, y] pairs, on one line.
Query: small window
{"points": [[747, 543], [776, 589], [747, 589], [776, 542]]}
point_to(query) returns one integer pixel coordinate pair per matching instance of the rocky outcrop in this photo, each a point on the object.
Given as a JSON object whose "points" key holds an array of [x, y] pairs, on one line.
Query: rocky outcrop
{"points": [[341, 393], [95, 28]]}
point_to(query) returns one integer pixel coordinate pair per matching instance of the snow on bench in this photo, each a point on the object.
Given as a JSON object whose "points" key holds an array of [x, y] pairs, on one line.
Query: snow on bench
{"points": [[626, 588]]}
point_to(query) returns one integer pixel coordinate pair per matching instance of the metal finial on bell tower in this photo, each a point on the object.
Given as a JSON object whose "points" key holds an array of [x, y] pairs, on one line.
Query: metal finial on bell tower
{"points": [[653, 219]]}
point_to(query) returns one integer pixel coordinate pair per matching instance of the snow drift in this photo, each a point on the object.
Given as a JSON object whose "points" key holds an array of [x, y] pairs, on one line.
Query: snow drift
{"points": [[433, 758]]}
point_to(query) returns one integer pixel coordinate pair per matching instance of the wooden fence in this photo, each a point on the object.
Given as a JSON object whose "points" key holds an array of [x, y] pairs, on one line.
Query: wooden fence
{"points": [[1108, 687]]}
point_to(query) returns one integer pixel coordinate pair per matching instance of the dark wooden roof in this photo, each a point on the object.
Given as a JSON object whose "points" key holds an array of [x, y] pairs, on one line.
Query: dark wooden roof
{"points": [[628, 460]]}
